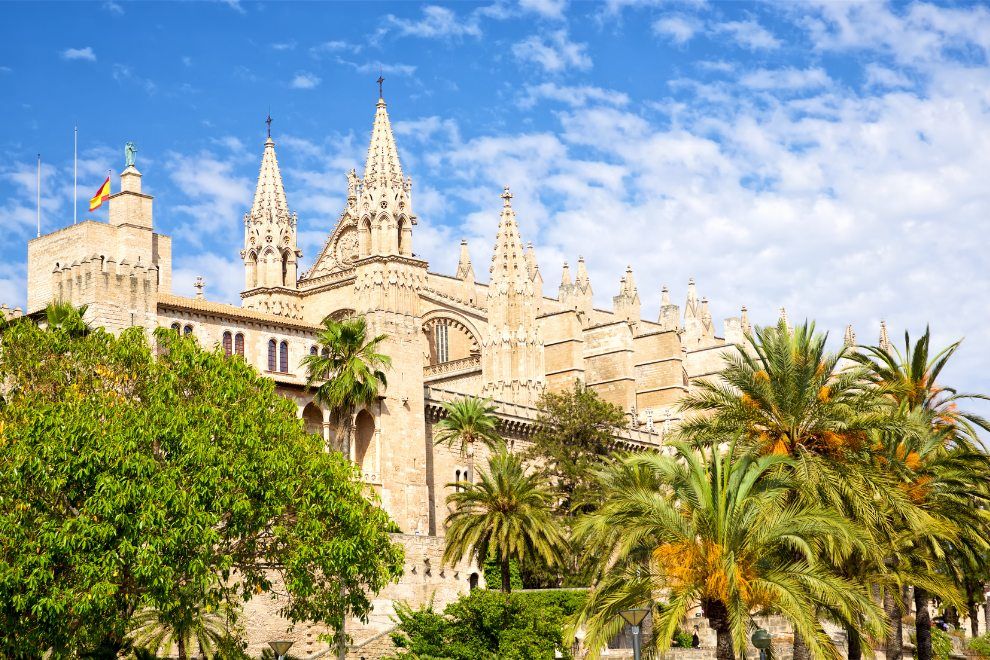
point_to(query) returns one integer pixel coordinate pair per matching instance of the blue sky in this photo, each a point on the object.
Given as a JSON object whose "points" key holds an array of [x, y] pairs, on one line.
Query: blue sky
{"points": [[831, 158]]}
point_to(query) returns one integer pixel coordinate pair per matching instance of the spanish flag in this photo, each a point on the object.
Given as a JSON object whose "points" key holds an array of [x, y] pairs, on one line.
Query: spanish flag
{"points": [[101, 196]]}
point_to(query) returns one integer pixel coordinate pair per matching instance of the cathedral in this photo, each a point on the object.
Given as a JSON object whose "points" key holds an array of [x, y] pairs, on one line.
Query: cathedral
{"points": [[507, 337]]}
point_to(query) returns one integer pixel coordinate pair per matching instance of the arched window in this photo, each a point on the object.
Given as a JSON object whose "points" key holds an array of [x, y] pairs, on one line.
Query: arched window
{"points": [[457, 480], [239, 344], [473, 581], [313, 350], [177, 327], [272, 347], [228, 343], [441, 337], [325, 352], [283, 357], [187, 330]]}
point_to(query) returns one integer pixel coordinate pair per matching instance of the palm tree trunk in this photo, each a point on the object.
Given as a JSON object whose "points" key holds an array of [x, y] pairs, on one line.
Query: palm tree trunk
{"points": [[922, 625], [854, 644], [506, 575], [182, 648], [895, 638], [718, 618], [986, 608], [801, 650]]}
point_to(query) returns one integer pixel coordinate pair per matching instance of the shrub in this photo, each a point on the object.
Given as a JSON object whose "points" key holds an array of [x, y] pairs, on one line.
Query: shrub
{"points": [[487, 625], [980, 645], [682, 639]]}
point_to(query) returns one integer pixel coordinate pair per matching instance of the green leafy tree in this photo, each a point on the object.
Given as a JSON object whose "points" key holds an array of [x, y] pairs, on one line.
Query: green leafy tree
{"points": [[575, 435], [175, 483], [349, 373], [468, 421], [716, 529], [488, 625], [506, 513]]}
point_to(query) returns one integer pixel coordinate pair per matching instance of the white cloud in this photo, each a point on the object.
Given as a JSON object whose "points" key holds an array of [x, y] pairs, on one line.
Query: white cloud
{"points": [[545, 8], [787, 78], [304, 80], [222, 275], [427, 128], [112, 7], [574, 96], [436, 23], [79, 54], [380, 67], [554, 52], [284, 45], [748, 34], [881, 76], [215, 196], [235, 5], [678, 29]]}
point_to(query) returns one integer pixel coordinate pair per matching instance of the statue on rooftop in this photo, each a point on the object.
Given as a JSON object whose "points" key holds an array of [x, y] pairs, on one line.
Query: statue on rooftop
{"points": [[129, 150]]}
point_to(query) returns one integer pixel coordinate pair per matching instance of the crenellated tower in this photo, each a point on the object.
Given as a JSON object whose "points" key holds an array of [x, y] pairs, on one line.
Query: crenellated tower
{"points": [[512, 348], [271, 254]]}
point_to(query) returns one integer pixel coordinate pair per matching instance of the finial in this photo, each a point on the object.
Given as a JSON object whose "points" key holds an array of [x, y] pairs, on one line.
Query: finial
{"points": [[199, 284], [664, 295], [381, 94], [506, 197], [268, 120]]}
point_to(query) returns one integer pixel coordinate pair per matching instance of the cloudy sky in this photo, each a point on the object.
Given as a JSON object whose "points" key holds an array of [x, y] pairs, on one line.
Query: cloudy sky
{"points": [[829, 157]]}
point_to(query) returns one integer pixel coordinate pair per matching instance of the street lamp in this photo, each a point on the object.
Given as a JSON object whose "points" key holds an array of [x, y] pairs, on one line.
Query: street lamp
{"points": [[281, 647], [634, 617], [761, 639]]}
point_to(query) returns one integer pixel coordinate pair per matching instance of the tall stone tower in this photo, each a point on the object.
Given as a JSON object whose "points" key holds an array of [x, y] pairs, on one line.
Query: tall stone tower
{"points": [[117, 269], [512, 348], [271, 255], [387, 283]]}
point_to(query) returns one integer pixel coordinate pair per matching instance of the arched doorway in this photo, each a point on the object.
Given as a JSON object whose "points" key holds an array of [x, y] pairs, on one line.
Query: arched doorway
{"points": [[313, 419], [364, 436]]}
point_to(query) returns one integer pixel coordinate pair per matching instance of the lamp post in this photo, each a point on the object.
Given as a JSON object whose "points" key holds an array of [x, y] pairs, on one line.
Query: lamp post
{"points": [[634, 618], [761, 640], [281, 647]]}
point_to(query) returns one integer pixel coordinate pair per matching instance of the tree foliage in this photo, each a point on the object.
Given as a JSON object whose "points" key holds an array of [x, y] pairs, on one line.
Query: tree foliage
{"points": [[506, 513], [575, 435], [174, 482], [486, 625]]}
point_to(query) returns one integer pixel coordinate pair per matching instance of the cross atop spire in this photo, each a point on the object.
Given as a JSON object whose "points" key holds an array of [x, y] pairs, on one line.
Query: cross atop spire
{"points": [[268, 121], [380, 80]]}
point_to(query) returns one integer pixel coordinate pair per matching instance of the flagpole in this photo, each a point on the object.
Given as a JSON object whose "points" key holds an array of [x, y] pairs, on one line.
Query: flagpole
{"points": [[39, 195], [75, 173]]}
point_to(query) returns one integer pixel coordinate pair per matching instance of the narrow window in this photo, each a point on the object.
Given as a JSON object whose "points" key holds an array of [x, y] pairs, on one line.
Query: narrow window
{"points": [[187, 330], [313, 350], [177, 327], [457, 481], [239, 344], [283, 357], [271, 354], [440, 334], [228, 343]]}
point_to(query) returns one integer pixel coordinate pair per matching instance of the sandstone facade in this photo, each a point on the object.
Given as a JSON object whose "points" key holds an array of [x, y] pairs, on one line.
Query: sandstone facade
{"points": [[448, 335]]}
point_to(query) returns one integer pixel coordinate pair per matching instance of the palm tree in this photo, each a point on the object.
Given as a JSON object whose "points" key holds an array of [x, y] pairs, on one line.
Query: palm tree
{"points": [[507, 513], [158, 633], [716, 529], [787, 395], [469, 420], [941, 468], [349, 373], [62, 316]]}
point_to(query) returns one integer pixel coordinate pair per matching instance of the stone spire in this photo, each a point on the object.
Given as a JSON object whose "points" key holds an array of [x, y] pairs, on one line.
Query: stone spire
{"points": [[627, 303], [664, 295], [670, 315], [884, 342], [849, 339], [512, 350], [465, 271], [691, 308], [744, 320], [533, 269], [270, 254], [707, 326], [583, 294], [783, 318], [384, 201]]}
